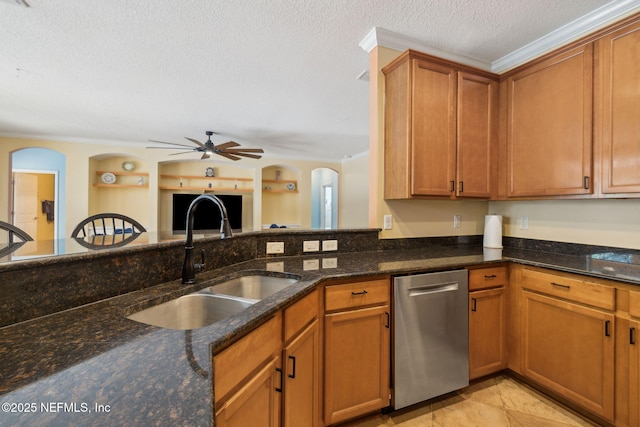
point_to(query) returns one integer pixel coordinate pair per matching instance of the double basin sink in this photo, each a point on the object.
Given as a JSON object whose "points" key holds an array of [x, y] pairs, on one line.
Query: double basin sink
{"points": [[214, 303]]}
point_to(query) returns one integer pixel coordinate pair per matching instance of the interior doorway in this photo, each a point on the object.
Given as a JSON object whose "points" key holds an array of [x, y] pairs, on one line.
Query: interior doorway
{"points": [[324, 198], [34, 203]]}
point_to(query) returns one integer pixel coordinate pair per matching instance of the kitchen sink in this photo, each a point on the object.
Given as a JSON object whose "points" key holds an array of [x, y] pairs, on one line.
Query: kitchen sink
{"points": [[252, 287], [212, 304], [191, 311]]}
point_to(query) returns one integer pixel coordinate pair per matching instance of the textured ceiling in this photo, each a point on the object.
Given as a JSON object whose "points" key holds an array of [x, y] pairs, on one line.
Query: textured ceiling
{"points": [[276, 74]]}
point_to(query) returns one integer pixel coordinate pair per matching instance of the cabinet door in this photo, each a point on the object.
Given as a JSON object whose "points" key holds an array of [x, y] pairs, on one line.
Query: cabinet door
{"points": [[356, 364], [257, 403], [477, 123], [301, 376], [549, 135], [569, 348], [487, 351], [433, 130], [634, 374], [620, 111]]}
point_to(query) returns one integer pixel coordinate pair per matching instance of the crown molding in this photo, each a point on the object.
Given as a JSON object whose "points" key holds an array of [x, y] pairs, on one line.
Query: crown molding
{"points": [[389, 39], [599, 18]]}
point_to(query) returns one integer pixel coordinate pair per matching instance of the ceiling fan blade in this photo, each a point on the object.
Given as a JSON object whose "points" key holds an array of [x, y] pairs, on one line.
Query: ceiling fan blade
{"points": [[227, 145], [253, 156], [246, 150], [168, 148], [228, 156], [195, 141], [182, 152], [171, 143], [205, 155]]}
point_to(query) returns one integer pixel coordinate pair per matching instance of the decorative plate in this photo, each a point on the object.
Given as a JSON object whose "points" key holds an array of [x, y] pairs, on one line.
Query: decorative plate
{"points": [[291, 186], [128, 166], [108, 178]]}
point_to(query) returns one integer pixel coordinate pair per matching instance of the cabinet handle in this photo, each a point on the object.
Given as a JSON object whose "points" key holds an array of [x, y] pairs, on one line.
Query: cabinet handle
{"points": [[607, 325], [388, 323], [279, 390], [360, 293], [461, 185], [632, 336], [473, 306], [560, 285], [491, 276], [585, 182], [453, 186], [293, 368]]}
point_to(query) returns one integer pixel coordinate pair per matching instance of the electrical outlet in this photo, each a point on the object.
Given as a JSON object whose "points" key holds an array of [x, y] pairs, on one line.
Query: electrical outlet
{"points": [[524, 223], [275, 248], [329, 245], [457, 221], [311, 246], [388, 222]]}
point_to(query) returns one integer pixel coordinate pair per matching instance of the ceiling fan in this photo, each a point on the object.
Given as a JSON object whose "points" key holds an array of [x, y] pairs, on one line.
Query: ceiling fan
{"points": [[228, 149]]}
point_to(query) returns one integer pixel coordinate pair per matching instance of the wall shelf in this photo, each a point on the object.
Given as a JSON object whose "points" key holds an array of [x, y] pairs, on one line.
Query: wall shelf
{"points": [[195, 183], [279, 186], [121, 185], [124, 173], [212, 189]]}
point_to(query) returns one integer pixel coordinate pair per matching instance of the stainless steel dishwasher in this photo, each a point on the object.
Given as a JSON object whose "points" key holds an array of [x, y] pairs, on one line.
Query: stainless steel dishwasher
{"points": [[431, 336]]}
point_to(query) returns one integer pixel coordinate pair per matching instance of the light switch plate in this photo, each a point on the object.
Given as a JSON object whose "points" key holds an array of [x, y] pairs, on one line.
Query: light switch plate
{"points": [[329, 245], [275, 248], [311, 246]]}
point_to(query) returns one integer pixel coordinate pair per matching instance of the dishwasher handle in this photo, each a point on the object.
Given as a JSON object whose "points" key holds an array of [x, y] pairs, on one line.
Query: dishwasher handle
{"points": [[433, 289]]}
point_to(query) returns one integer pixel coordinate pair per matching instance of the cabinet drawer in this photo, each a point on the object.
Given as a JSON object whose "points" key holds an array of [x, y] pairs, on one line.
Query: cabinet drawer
{"points": [[569, 288], [484, 278], [634, 304], [358, 294], [300, 314]]}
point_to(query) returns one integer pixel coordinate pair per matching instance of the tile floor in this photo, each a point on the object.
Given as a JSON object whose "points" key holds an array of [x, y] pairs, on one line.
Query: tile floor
{"points": [[494, 402]]}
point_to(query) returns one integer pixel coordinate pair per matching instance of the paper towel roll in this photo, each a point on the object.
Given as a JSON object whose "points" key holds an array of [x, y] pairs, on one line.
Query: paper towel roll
{"points": [[492, 231]]}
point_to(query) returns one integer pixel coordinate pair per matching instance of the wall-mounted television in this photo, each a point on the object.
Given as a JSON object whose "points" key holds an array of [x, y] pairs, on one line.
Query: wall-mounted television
{"points": [[207, 216]]}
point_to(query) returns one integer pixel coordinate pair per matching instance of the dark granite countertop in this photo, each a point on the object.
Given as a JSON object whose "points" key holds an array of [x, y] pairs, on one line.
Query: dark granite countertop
{"points": [[92, 366]]}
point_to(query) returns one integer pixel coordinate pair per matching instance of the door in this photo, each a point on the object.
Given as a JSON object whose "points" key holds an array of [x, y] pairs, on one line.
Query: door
{"points": [[34, 211], [620, 111], [487, 350], [301, 375], [549, 134], [356, 367], [569, 348]]}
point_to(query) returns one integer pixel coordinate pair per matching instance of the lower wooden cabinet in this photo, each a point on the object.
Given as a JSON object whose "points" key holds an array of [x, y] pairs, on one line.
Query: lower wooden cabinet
{"points": [[632, 343], [569, 348], [301, 379], [487, 346], [257, 403], [356, 349]]}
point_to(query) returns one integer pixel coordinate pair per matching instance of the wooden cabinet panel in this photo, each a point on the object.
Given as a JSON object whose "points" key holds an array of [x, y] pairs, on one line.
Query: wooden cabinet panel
{"points": [[569, 348], [634, 373], [484, 278], [356, 294], [301, 375], [477, 123], [440, 128], [549, 127], [237, 362], [487, 345], [257, 403], [433, 131], [569, 288], [300, 314], [620, 56], [356, 365]]}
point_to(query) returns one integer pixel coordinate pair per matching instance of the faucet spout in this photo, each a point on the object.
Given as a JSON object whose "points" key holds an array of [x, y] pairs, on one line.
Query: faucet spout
{"points": [[189, 268]]}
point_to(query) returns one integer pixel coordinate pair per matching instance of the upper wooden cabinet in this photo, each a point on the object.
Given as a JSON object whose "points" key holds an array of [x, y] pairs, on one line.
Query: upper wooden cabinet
{"points": [[549, 126], [620, 56], [440, 128]]}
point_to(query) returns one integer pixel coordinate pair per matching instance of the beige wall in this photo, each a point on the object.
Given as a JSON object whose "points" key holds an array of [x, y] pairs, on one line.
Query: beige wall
{"points": [[84, 159], [354, 192]]}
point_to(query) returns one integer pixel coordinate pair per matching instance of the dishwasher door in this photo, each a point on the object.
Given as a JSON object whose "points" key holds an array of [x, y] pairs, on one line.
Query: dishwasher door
{"points": [[431, 336]]}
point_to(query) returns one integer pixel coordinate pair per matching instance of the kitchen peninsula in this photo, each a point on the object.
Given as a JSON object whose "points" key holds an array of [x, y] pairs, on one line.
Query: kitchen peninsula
{"points": [[90, 365]]}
